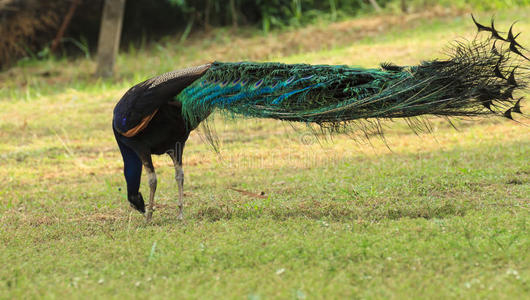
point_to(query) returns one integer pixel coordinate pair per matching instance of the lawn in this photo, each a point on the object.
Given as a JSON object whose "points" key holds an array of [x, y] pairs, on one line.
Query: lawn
{"points": [[279, 212]]}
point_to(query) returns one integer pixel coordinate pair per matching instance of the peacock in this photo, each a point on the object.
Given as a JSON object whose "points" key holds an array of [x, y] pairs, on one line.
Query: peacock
{"points": [[156, 116]]}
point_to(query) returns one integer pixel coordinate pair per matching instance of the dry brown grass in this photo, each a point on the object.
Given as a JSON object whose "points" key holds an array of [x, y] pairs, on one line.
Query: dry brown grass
{"points": [[22, 25], [314, 37]]}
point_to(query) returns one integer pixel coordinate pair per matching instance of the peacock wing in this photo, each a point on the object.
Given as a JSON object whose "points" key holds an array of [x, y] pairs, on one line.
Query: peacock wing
{"points": [[141, 102]]}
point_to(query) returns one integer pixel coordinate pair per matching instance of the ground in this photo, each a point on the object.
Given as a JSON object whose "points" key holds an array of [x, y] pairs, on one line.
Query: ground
{"points": [[279, 213]]}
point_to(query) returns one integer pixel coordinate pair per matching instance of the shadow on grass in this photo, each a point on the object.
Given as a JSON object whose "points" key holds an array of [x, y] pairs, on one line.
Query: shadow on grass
{"points": [[318, 211]]}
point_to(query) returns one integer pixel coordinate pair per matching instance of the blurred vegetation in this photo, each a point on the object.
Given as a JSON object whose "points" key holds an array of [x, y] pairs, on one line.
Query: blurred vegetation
{"points": [[280, 13], [28, 27]]}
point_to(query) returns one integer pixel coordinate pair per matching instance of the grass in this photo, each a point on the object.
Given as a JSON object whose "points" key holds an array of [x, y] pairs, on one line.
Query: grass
{"points": [[440, 215]]}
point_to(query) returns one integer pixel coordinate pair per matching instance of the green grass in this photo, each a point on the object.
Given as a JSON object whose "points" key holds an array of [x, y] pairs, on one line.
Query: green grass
{"points": [[440, 215]]}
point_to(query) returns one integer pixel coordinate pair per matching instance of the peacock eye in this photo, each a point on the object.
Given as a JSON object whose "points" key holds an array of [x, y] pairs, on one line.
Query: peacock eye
{"points": [[257, 84], [224, 83], [244, 81], [236, 81], [289, 80]]}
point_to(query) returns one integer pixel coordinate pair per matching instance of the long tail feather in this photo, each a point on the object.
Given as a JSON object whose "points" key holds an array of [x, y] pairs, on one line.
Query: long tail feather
{"points": [[478, 78]]}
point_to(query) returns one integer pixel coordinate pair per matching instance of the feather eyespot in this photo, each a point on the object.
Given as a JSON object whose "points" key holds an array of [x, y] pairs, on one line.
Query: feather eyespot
{"points": [[244, 81], [224, 83], [258, 83], [291, 79], [236, 81]]}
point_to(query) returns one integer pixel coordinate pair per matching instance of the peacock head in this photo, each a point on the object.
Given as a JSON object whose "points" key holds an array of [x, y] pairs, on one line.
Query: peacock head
{"points": [[137, 202]]}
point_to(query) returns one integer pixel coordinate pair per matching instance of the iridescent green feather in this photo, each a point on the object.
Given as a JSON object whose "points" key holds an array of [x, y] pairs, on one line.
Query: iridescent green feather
{"points": [[466, 84]]}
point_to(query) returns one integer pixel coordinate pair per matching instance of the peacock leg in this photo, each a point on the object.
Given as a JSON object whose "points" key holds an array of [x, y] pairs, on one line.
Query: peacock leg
{"points": [[151, 175], [176, 156]]}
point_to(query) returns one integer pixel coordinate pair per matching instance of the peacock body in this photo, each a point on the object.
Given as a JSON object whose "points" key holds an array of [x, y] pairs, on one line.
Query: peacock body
{"points": [[156, 116]]}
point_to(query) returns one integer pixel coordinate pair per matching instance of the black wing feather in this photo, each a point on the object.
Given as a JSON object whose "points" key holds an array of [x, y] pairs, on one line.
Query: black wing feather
{"points": [[146, 97]]}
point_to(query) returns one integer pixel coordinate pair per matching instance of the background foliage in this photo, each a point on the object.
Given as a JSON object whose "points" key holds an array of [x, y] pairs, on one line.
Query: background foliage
{"points": [[27, 27]]}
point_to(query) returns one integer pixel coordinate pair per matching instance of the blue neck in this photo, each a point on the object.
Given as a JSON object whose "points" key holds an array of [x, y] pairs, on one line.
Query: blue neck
{"points": [[132, 169]]}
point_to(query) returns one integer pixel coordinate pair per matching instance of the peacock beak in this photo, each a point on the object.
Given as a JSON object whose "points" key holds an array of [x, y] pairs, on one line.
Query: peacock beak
{"points": [[137, 202]]}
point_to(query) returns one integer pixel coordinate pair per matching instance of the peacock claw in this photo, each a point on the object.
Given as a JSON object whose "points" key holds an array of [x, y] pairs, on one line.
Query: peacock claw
{"points": [[148, 216]]}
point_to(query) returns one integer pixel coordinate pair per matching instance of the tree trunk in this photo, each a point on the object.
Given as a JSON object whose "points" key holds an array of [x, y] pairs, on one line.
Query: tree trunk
{"points": [[404, 6], [207, 15], [375, 5], [109, 36], [234, 13], [64, 25]]}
